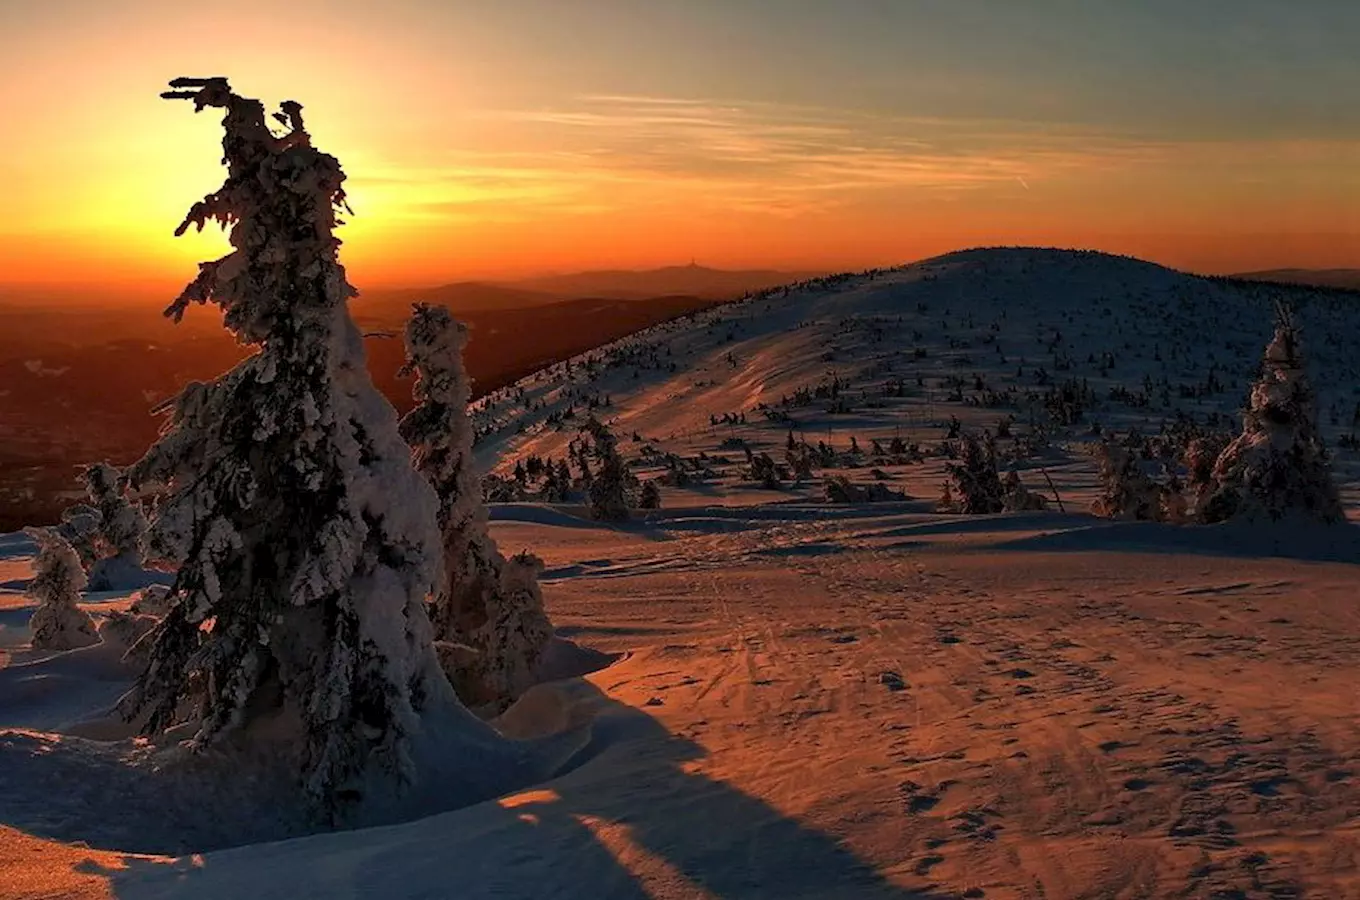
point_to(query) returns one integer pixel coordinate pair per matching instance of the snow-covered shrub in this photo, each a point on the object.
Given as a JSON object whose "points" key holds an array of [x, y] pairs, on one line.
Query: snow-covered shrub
{"points": [[80, 528], [58, 623], [1277, 468], [764, 472], [122, 523], [650, 496], [304, 540], [608, 489], [488, 607], [1017, 497], [800, 458], [495, 489], [840, 489], [125, 630], [108, 532], [1126, 492], [1175, 509], [153, 600], [1198, 457], [975, 476]]}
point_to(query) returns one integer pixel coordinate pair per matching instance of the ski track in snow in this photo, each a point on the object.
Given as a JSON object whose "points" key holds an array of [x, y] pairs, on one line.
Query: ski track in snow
{"points": [[875, 701]]}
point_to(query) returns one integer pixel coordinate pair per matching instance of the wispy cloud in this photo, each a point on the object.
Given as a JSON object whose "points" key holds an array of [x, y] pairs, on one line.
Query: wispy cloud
{"points": [[606, 152]]}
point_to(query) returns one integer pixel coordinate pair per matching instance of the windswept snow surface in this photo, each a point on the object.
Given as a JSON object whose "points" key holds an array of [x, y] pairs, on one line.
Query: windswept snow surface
{"points": [[786, 698]]}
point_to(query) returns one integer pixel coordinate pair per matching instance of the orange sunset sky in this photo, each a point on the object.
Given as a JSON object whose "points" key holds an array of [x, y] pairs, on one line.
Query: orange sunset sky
{"points": [[526, 136]]}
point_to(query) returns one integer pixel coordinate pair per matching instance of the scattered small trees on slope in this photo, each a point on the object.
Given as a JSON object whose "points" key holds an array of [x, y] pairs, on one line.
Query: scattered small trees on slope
{"points": [[305, 542], [489, 609], [58, 623]]}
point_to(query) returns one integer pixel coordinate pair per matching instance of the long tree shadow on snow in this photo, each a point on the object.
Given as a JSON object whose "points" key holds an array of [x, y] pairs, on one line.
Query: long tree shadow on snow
{"points": [[626, 818], [635, 783], [1306, 543]]}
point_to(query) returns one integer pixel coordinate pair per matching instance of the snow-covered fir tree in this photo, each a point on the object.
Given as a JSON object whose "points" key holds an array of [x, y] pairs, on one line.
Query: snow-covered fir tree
{"points": [[153, 600], [80, 528], [1277, 468], [121, 529], [304, 540], [492, 608], [608, 488], [975, 476], [58, 623], [1126, 492]]}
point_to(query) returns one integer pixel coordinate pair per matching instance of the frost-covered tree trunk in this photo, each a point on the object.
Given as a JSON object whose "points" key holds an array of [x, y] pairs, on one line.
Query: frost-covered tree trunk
{"points": [[608, 489], [304, 540], [122, 528], [490, 608], [1277, 468], [58, 623]]}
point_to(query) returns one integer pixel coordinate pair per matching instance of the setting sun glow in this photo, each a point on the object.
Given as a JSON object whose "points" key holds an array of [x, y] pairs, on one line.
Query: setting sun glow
{"points": [[486, 140]]}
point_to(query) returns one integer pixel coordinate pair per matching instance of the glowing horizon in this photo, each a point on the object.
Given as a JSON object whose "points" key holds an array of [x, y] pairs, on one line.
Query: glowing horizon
{"points": [[530, 139]]}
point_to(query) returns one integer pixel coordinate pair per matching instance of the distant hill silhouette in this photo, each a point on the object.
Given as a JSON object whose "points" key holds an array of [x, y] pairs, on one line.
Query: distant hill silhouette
{"points": [[1337, 278], [461, 296], [610, 285], [692, 280]]}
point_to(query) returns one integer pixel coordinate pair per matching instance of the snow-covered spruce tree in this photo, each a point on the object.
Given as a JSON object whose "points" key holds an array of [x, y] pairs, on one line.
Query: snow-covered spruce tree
{"points": [[1277, 468], [58, 623], [1126, 492], [122, 528], [304, 540], [608, 488], [975, 476], [80, 528], [489, 606]]}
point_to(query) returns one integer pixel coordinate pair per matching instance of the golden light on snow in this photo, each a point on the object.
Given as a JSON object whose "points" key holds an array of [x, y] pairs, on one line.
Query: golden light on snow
{"points": [[527, 798]]}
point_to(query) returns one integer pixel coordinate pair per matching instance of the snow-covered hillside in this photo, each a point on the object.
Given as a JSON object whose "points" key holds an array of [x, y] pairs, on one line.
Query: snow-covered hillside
{"points": [[982, 335]]}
